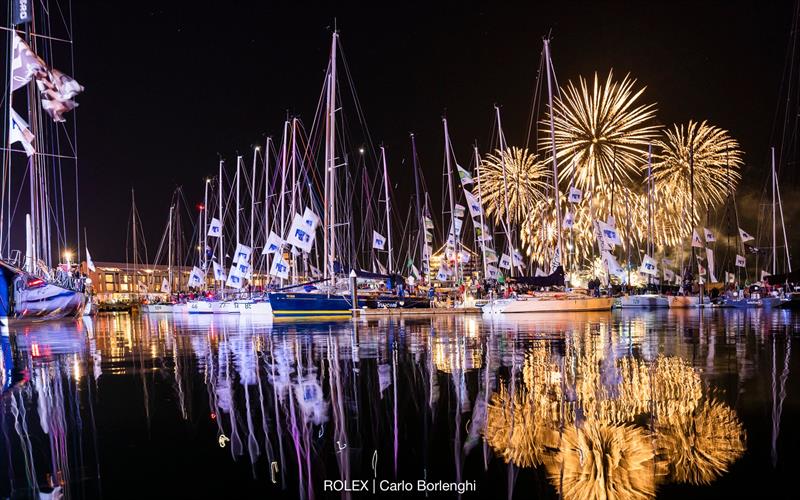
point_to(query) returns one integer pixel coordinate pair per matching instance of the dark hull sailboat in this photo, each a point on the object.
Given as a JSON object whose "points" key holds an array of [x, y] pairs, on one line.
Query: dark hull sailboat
{"points": [[311, 304], [25, 296]]}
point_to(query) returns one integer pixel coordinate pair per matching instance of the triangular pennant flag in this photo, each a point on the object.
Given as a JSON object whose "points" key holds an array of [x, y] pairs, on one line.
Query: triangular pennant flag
{"points": [[744, 236], [18, 132], [466, 177], [89, 262], [696, 241], [273, 244], [165, 288], [709, 235]]}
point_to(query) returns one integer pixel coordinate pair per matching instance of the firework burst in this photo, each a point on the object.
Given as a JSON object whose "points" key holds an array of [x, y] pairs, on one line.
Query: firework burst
{"points": [[716, 157], [524, 184], [601, 133]]}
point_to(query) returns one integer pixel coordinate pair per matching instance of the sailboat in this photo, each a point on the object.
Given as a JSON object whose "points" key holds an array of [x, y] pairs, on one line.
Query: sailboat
{"points": [[32, 287], [548, 301]]}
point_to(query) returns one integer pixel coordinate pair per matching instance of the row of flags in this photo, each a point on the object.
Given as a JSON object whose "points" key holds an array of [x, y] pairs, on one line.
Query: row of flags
{"points": [[56, 89]]}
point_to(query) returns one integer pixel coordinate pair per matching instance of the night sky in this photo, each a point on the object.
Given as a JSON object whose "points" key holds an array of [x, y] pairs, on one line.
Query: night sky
{"points": [[170, 85]]}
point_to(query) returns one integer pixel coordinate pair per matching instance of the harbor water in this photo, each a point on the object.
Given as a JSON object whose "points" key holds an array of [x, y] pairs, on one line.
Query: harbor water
{"points": [[623, 404]]}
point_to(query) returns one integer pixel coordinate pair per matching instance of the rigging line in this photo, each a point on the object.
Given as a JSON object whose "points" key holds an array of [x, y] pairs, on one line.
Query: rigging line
{"points": [[48, 155], [36, 35]]}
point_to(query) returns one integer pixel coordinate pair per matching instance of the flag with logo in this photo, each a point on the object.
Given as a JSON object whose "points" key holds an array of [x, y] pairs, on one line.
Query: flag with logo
{"points": [[279, 268], [195, 277], [518, 259], [89, 262], [666, 262], [710, 263], [505, 261], [568, 221], [165, 288], [441, 274], [740, 261], [730, 277], [378, 240], [709, 235], [19, 132], [466, 177], [608, 234], [696, 241], [668, 275], [235, 278], [612, 265], [242, 253], [455, 227], [428, 222], [310, 219], [489, 255], [315, 272], [215, 228], [491, 272], [745, 236], [459, 210], [574, 195], [219, 272], [648, 266], [299, 234], [273, 244], [473, 204]]}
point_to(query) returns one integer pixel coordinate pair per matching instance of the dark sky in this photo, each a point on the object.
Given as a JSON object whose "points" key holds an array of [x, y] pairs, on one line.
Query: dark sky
{"points": [[169, 85]]}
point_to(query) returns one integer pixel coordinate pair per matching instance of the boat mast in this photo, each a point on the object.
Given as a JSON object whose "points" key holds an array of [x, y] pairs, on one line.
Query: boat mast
{"points": [[204, 228], [253, 197], [238, 182], [169, 246], [330, 184], [133, 218], [222, 231], [483, 228], [420, 220], [452, 200], [388, 209], [774, 239], [293, 208], [783, 224], [507, 222], [549, 69]]}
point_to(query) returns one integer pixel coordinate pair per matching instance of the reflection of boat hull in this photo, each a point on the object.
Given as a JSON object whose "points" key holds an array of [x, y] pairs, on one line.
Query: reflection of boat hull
{"points": [[791, 301], [643, 301], [684, 301], [547, 304], [158, 308], [48, 301], [310, 304], [224, 307]]}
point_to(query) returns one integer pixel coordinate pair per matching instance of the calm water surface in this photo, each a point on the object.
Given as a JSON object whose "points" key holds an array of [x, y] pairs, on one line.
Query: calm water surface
{"points": [[668, 404]]}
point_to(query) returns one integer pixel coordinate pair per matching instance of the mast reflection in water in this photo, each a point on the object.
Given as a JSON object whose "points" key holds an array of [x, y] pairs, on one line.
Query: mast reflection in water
{"points": [[623, 405]]}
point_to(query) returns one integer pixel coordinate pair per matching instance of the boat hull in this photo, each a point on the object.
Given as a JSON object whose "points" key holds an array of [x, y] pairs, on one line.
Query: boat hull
{"points": [[200, 307], [645, 301], [158, 308], [294, 305], [253, 307], [394, 302], [760, 303], [547, 304], [687, 301], [48, 302]]}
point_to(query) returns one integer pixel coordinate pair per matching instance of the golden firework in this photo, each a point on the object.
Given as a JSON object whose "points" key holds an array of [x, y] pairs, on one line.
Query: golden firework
{"points": [[513, 176], [601, 134], [716, 159]]}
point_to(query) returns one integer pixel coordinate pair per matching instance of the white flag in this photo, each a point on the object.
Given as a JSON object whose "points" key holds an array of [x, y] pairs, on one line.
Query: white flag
{"points": [[441, 275], [730, 277], [491, 272], [740, 261], [555, 262], [489, 255], [18, 132], [243, 268], [648, 266], [666, 262], [574, 195], [568, 220], [701, 270], [505, 261], [215, 228], [668, 275], [466, 177], [89, 262], [473, 204], [464, 257], [165, 288], [195, 277], [458, 223], [517, 258], [539, 272], [744, 236], [315, 272], [709, 235], [611, 221], [300, 235], [710, 258], [764, 275], [696, 241], [459, 210], [378, 240], [273, 244], [242, 254], [608, 234], [219, 272], [279, 268], [310, 219], [381, 267], [235, 278], [612, 265]]}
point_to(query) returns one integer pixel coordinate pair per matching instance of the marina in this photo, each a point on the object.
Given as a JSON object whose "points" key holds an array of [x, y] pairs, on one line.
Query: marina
{"points": [[534, 251]]}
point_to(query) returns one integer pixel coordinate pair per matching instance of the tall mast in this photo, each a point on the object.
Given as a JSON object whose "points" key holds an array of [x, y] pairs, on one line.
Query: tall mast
{"points": [[266, 188], [204, 228], [507, 222], [548, 67], [452, 199], [238, 205], [783, 224], [420, 220], [253, 197], [388, 209], [330, 165], [295, 181], [135, 250], [774, 239], [222, 231], [169, 246], [480, 198]]}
